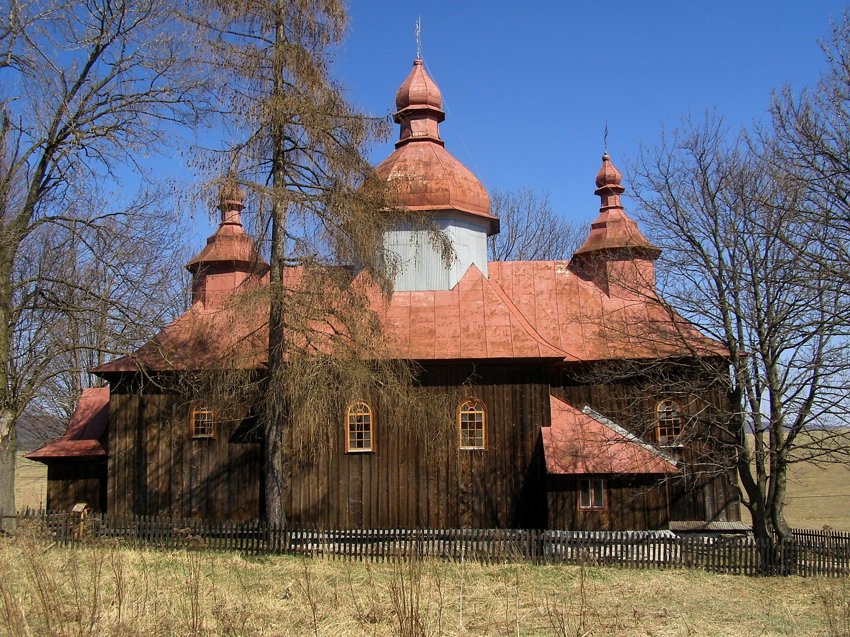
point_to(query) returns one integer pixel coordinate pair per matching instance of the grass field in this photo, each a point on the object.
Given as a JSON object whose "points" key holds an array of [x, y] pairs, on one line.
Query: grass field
{"points": [[108, 590], [30, 483]]}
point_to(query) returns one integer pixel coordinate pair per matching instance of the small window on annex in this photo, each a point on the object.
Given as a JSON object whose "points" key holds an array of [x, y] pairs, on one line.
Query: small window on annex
{"points": [[358, 425], [591, 494], [472, 424], [668, 423], [202, 421]]}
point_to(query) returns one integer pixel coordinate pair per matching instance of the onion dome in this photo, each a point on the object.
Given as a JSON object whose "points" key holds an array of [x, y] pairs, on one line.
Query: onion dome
{"points": [[613, 229], [230, 257], [419, 90], [423, 175], [608, 175]]}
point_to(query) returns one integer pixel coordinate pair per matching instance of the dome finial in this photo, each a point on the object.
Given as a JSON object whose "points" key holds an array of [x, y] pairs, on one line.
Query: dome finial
{"points": [[419, 107], [419, 38], [608, 181], [230, 202]]}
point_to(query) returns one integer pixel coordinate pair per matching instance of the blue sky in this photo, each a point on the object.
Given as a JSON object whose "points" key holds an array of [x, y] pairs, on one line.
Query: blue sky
{"points": [[529, 86]]}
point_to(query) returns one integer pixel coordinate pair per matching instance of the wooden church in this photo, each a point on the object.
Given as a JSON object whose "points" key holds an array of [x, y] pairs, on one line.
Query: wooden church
{"points": [[584, 402]]}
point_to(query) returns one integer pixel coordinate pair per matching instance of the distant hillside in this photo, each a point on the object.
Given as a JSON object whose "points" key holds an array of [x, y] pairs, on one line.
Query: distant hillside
{"points": [[818, 496], [35, 430]]}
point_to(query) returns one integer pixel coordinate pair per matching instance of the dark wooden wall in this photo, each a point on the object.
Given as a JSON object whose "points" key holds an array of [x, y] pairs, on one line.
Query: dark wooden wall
{"points": [[73, 481], [156, 468], [407, 482], [632, 503]]}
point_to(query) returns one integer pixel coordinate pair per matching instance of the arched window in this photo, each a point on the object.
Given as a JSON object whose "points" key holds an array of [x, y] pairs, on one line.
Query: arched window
{"points": [[472, 424], [358, 428], [201, 421], [668, 423]]}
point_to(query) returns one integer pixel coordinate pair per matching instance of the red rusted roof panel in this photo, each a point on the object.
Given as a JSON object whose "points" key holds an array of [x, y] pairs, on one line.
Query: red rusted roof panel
{"points": [[86, 432], [583, 442], [425, 176]]}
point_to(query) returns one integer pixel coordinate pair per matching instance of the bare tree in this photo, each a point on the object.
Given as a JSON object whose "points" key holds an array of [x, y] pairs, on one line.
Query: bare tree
{"points": [[734, 236], [85, 87], [530, 229], [809, 145]]}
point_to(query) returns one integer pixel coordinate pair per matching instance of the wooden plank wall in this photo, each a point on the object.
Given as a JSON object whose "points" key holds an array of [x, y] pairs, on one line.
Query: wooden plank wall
{"points": [[632, 503], [409, 482], [75, 481], [156, 468]]}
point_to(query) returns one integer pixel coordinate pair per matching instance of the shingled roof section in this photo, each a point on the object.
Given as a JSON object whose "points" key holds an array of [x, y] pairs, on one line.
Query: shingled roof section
{"points": [[86, 433], [585, 442]]}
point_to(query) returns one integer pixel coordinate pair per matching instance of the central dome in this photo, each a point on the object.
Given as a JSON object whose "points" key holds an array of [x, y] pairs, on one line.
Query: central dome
{"points": [[421, 173]]}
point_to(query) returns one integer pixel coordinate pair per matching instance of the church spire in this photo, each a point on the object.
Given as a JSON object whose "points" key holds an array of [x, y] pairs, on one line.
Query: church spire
{"points": [[613, 230], [615, 255]]}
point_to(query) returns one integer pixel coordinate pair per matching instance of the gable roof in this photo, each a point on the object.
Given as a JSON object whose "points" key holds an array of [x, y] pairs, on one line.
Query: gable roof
{"points": [[577, 317], [85, 436], [475, 319], [585, 442]]}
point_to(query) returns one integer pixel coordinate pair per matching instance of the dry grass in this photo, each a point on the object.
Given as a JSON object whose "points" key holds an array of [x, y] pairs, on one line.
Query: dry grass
{"points": [[108, 590], [819, 497], [30, 483]]}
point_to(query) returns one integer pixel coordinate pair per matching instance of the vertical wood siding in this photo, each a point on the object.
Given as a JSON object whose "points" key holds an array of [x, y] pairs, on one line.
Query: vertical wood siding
{"points": [[156, 468]]}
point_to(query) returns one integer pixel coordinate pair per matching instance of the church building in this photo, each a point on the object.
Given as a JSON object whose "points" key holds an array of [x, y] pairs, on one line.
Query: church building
{"points": [[583, 400]]}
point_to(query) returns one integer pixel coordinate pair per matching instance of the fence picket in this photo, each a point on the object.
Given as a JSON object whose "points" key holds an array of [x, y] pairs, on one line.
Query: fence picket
{"points": [[808, 553]]}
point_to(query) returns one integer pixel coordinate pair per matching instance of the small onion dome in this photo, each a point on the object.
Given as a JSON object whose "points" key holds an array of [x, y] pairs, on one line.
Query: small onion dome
{"points": [[228, 245], [613, 229], [608, 175], [418, 90], [231, 197]]}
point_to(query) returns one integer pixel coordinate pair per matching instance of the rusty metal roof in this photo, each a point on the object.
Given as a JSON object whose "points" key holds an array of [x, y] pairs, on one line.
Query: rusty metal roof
{"points": [[526, 309], [421, 173], [475, 319], [85, 436], [585, 442]]}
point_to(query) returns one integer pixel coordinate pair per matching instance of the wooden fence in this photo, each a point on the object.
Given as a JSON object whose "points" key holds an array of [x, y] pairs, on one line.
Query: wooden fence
{"points": [[810, 553]]}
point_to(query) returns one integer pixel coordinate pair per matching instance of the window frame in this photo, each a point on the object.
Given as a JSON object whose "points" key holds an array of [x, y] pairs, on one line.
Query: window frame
{"points": [[198, 409], [482, 409], [591, 482], [348, 424], [668, 440]]}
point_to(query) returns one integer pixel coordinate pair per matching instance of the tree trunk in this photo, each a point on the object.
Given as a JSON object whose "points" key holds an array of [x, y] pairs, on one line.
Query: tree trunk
{"points": [[7, 468], [275, 407], [8, 445]]}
